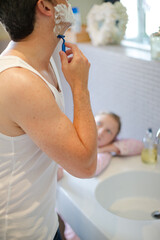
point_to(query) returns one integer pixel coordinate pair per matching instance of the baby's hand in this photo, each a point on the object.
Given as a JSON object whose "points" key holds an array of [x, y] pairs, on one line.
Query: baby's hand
{"points": [[109, 148]]}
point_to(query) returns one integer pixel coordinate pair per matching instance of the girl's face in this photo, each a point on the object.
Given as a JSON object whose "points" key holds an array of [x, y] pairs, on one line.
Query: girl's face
{"points": [[107, 128]]}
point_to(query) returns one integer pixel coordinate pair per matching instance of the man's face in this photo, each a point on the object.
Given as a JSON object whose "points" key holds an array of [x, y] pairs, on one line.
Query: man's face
{"points": [[64, 17]]}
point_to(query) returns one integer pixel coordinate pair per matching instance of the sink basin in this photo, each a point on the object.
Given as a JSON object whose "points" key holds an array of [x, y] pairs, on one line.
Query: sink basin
{"points": [[117, 205], [133, 195]]}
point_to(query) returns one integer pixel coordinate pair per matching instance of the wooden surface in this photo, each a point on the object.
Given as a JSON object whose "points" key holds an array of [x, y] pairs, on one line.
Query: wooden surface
{"points": [[77, 37]]}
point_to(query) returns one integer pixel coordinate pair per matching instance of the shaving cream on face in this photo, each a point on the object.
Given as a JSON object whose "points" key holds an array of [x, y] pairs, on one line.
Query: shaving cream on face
{"points": [[64, 18]]}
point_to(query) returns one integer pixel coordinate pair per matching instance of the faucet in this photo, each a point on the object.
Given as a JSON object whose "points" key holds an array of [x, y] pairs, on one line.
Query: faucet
{"points": [[158, 134], [158, 144]]}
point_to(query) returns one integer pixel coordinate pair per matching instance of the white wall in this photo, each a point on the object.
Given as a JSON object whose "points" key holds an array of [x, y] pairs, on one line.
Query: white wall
{"points": [[125, 85], [3, 34], [84, 6], [3, 45]]}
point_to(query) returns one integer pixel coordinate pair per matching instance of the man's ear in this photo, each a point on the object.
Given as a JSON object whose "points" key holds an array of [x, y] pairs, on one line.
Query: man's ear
{"points": [[45, 7]]}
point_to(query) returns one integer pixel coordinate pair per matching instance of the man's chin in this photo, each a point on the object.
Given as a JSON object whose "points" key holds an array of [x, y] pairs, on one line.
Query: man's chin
{"points": [[61, 28], [65, 27]]}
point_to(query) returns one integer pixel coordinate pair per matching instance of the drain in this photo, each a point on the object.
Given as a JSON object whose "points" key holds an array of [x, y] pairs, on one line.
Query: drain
{"points": [[156, 214]]}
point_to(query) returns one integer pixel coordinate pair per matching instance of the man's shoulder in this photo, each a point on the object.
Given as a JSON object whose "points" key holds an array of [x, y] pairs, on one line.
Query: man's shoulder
{"points": [[17, 73], [18, 77], [17, 83]]}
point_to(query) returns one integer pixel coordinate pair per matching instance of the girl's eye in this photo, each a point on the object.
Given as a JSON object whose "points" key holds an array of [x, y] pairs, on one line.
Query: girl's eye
{"points": [[98, 123], [108, 131]]}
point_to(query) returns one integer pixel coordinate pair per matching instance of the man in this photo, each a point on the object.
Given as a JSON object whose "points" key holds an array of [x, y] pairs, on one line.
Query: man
{"points": [[35, 134]]}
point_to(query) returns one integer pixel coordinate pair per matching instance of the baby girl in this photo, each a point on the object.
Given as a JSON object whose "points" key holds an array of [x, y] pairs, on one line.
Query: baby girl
{"points": [[108, 128]]}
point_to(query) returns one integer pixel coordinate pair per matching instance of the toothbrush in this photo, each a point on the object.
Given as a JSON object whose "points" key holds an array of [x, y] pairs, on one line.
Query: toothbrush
{"points": [[63, 44]]}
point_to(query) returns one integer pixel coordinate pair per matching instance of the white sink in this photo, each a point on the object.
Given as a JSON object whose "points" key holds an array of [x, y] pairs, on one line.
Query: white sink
{"points": [[117, 205], [132, 195]]}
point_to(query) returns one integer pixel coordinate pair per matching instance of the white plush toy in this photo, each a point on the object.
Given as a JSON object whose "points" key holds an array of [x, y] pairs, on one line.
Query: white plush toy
{"points": [[106, 23]]}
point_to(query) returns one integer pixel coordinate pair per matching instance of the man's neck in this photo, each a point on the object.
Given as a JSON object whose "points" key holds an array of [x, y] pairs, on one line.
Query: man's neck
{"points": [[36, 51]]}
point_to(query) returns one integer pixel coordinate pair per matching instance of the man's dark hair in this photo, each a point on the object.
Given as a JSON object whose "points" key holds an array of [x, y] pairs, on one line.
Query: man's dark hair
{"points": [[112, 1], [18, 17]]}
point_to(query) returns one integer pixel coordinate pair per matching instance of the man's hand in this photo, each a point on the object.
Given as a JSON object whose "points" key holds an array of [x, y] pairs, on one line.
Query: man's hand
{"points": [[75, 67]]}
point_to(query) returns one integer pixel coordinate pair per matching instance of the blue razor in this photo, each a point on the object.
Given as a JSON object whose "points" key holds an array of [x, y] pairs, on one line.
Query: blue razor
{"points": [[63, 44]]}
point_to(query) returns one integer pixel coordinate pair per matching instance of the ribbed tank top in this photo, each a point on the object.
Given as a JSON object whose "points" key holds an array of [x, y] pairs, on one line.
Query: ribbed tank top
{"points": [[28, 178]]}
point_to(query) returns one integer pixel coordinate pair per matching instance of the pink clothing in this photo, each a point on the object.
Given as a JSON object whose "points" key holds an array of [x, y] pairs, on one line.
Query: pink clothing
{"points": [[59, 173], [103, 160], [69, 233], [127, 147]]}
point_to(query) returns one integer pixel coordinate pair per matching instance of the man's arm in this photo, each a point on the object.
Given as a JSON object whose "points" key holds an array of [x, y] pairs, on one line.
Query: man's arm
{"points": [[32, 107]]}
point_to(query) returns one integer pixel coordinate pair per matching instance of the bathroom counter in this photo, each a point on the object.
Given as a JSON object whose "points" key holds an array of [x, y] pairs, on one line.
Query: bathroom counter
{"points": [[77, 204]]}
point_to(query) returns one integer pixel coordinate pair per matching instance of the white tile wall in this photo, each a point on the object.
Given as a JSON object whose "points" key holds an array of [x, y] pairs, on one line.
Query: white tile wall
{"points": [[125, 85], [3, 45], [84, 7]]}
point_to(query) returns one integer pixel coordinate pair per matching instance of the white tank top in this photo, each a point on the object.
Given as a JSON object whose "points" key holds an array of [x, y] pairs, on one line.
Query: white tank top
{"points": [[27, 178]]}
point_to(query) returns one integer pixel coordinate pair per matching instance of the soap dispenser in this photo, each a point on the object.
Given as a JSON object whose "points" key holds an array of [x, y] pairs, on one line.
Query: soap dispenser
{"points": [[155, 45], [149, 152]]}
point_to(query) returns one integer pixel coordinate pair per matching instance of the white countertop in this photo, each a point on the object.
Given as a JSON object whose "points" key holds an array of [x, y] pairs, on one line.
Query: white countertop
{"points": [[76, 200]]}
